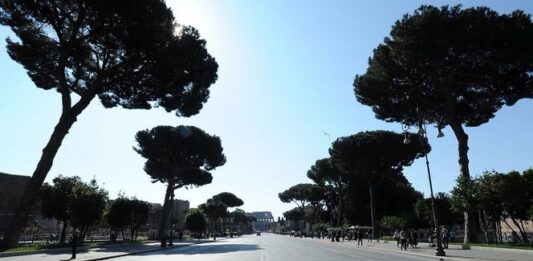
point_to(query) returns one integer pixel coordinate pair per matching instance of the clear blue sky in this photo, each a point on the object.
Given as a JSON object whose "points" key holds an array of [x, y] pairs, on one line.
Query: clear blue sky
{"points": [[286, 73]]}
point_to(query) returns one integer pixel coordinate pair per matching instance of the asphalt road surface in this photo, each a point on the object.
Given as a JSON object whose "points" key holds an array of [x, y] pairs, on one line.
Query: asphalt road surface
{"points": [[269, 247]]}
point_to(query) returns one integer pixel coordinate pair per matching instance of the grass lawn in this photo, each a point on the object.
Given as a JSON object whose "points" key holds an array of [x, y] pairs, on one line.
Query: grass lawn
{"points": [[40, 246]]}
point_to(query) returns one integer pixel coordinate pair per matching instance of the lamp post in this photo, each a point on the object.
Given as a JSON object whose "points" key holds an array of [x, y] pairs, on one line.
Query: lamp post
{"points": [[423, 134]]}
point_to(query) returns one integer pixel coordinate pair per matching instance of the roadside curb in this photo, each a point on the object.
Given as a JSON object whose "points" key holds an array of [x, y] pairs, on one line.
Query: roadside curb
{"points": [[446, 258]]}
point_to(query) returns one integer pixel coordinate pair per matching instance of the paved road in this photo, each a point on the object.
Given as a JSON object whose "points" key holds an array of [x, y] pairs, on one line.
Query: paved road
{"points": [[270, 247]]}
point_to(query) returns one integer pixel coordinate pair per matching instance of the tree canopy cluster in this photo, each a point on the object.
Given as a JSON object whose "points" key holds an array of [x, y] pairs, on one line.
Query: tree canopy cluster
{"points": [[361, 182], [450, 66], [179, 156], [74, 203], [129, 213], [216, 209], [498, 197], [130, 54]]}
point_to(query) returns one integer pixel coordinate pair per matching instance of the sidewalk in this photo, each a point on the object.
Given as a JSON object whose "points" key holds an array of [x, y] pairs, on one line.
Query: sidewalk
{"points": [[98, 253], [454, 253]]}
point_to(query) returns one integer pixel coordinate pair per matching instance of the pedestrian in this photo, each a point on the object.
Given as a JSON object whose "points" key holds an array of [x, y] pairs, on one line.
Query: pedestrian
{"points": [[444, 232], [403, 239], [414, 235], [369, 235], [359, 238], [396, 237], [409, 238], [74, 241]]}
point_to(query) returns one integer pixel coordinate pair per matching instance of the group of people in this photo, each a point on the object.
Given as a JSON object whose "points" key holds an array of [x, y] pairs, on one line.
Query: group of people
{"points": [[409, 237], [405, 237]]}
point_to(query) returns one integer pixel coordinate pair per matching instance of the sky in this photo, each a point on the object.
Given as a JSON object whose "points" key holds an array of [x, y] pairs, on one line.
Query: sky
{"points": [[286, 70]]}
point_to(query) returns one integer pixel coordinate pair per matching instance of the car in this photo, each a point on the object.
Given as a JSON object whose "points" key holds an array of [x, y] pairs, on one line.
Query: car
{"points": [[258, 233]]}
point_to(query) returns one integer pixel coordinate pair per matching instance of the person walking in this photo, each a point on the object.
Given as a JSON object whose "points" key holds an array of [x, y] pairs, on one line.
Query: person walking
{"points": [[359, 238], [414, 236], [403, 239], [396, 237], [74, 241], [444, 233]]}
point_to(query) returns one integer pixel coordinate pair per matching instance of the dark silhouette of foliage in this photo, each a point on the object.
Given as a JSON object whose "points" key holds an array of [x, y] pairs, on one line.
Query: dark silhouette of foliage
{"points": [[195, 221], [333, 181], [214, 210], [180, 157], [128, 212], [88, 207], [302, 194], [498, 197], [56, 200], [394, 197], [74, 202], [295, 214], [228, 199], [130, 54], [217, 206], [446, 215], [369, 156], [451, 66]]}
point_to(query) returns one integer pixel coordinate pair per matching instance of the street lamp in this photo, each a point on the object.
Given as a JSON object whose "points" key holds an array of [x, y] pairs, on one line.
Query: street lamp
{"points": [[423, 134]]}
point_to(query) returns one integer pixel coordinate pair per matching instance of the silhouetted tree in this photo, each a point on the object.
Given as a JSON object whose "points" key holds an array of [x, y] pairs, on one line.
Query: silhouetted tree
{"points": [[238, 217], [128, 212], [296, 214], [369, 156], [214, 210], [326, 174], [195, 221], [395, 197], [130, 54], [56, 200], [88, 206], [450, 66], [301, 194], [443, 209], [228, 199], [180, 157]]}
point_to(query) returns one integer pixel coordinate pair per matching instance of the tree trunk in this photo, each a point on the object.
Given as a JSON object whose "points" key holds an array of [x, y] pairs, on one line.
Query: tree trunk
{"points": [[372, 208], [482, 221], [167, 209], [498, 229], [31, 192], [340, 218], [63, 232], [511, 228], [522, 232], [462, 140]]}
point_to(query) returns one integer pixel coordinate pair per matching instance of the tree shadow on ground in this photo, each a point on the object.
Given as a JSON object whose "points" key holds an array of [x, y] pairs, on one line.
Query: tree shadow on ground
{"points": [[200, 249]]}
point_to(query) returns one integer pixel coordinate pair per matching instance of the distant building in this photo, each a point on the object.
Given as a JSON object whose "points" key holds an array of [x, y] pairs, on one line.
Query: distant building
{"points": [[11, 189], [179, 211], [264, 220]]}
